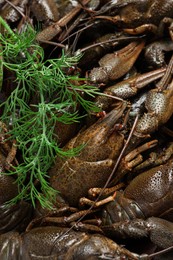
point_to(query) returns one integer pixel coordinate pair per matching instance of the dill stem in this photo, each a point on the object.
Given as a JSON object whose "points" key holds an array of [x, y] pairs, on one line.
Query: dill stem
{"points": [[7, 27]]}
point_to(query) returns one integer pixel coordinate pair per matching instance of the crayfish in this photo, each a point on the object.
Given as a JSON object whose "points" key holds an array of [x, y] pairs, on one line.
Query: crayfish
{"points": [[41, 243]]}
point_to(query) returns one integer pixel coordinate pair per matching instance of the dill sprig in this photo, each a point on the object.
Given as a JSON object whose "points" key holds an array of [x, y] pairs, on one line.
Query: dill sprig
{"points": [[32, 123]]}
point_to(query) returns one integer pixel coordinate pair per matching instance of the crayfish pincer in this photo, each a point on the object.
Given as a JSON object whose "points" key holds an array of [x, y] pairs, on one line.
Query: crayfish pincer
{"points": [[160, 231], [149, 194], [159, 105], [92, 166], [115, 65], [144, 209]]}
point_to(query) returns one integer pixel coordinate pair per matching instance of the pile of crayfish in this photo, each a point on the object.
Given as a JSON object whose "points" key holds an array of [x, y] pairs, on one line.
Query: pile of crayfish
{"points": [[115, 197]]}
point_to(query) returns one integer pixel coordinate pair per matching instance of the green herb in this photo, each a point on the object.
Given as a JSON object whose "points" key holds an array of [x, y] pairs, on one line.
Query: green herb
{"points": [[33, 124]]}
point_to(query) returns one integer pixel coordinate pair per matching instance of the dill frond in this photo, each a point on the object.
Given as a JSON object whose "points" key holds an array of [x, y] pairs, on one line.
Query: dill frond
{"points": [[33, 124]]}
